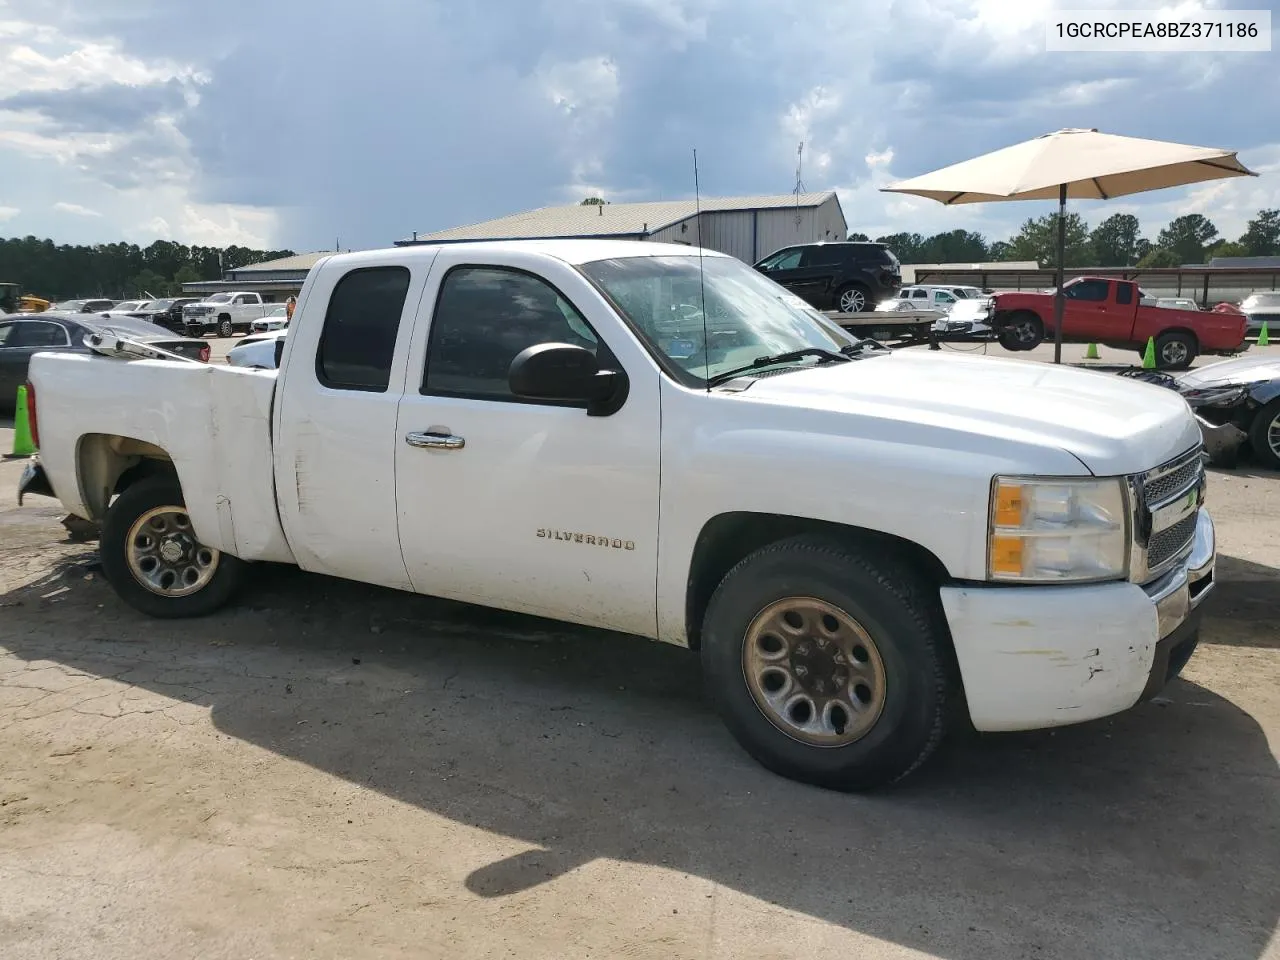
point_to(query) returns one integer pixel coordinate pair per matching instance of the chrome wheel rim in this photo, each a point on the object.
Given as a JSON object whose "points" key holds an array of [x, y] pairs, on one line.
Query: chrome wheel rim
{"points": [[1174, 352], [1273, 435], [164, 555], [814, 672], [852, 301]]}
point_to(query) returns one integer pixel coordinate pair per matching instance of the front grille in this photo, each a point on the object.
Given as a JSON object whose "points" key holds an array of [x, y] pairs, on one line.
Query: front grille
{"points": [[1164, 482], [1170, 542]]}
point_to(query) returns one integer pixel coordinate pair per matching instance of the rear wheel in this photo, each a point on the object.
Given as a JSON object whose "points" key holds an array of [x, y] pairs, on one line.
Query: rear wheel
{"points": [[827, 664], [853, 299], [1174, 351], [150, 554], [1264, 435]]}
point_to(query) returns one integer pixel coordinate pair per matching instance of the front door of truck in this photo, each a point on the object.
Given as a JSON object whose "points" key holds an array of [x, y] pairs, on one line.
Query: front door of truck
{"points": [[335, 425], [1087, 313], [528, 506]]}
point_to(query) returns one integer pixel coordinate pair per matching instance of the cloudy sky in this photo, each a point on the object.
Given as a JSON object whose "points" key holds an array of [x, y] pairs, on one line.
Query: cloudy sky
{"points": [[291, 123]]}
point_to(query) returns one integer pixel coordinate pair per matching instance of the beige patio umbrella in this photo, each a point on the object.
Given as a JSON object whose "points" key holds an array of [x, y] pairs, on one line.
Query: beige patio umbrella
{"points": [[1081, 164]]}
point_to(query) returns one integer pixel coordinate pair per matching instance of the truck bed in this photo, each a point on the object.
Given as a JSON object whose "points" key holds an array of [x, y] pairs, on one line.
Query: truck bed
{"points": [[213, 422]]}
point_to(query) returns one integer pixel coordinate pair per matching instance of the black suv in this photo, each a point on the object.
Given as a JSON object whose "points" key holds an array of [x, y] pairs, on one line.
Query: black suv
{"points": [[849, 277]]}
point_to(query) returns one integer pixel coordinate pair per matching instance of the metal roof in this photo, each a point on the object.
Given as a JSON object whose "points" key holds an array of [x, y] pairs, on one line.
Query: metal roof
{"points": [[611, 219], [302, 262], [1235, 263]]}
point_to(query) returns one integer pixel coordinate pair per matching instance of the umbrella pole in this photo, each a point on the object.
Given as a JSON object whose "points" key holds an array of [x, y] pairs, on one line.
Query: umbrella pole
{"points": [[1059, 300]]}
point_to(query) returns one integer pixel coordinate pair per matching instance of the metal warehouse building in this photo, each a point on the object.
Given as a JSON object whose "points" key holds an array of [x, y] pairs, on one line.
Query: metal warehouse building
{"points": [[276, 280], [748, 228]]}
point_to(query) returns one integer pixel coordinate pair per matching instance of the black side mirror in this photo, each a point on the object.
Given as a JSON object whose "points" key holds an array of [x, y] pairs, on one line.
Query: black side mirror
{"points": [[279, 350], [563, 371]]}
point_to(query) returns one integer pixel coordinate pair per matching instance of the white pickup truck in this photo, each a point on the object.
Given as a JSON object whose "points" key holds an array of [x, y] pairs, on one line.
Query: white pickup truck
{"points": [[629, 436], [224, 313]]}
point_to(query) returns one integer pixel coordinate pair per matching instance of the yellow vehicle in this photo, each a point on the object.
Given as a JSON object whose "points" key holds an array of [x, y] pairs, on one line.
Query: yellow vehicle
{"points": [[12, 301], [29, 304]]}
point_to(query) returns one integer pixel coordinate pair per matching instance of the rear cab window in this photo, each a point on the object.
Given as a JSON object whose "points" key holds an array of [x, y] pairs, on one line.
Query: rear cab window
{"points": [[361, 324]]}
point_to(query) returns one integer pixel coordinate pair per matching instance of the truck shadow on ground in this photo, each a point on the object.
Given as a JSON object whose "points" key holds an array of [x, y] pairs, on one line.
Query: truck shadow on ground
{"points": [[1154, 834]]}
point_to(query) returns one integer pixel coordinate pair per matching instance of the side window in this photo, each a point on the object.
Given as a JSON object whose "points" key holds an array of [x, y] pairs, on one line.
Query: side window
{"points": [[918, 294], [6, 330], [821, 255], [944, 297], [484, 317], [360, 329], [35, 333], [240, 300], [784, 260], [1124, 293], [1093, 291]]}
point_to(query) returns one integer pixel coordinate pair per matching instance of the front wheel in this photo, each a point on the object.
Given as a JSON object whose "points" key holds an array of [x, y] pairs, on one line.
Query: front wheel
{"points": [[827, 664], [225, 327], [1264, 435], [1024, 331], [151, 557]]}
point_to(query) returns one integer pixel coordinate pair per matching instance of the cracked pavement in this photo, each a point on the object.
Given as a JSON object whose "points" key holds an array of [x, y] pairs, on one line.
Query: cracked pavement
{"points": [[333, 770]]}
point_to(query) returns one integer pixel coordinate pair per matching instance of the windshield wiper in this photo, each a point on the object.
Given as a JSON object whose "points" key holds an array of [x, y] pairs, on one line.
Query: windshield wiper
{"points": [[858, 348], [768, 361]]}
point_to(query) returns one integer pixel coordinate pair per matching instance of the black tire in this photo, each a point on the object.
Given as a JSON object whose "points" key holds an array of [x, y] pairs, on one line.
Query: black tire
{"points": [[853, 293], [896, 610], [1175, 350], [225, 327], [1022, 331], [143, 496], [1263, 422]]}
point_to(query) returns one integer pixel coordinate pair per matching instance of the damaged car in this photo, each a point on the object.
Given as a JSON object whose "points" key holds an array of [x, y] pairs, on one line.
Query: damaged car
{"points": [[1236, 401]]}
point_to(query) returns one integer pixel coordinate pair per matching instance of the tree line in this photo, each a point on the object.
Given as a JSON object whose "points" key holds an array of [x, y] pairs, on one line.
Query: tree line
{"points": [[117, 270], [1115, 242]]}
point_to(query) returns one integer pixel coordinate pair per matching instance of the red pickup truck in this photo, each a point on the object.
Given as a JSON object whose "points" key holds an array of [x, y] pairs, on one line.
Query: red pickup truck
{"points": [[1112, 312]]}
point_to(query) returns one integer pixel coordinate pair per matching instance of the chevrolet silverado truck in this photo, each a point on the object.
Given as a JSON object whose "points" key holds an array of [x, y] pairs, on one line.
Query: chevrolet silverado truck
{"points": [[864, 546], [1113, 312], [224, 313]]}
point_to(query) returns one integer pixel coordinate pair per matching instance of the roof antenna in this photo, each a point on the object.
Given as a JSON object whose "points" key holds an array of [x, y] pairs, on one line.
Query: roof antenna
{"points": [[702, 284]]}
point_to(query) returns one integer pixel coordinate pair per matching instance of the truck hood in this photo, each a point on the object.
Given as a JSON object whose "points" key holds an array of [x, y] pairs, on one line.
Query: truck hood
{"points": [[1112, 425]]}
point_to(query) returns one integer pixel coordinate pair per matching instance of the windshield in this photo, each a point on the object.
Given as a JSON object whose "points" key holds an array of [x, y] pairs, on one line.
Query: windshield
{"points": [[747, 315], [220, 298], [161, 304]]}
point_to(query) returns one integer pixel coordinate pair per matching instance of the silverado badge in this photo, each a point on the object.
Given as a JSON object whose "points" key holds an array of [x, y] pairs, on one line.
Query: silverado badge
{"points": [[588, 539]]}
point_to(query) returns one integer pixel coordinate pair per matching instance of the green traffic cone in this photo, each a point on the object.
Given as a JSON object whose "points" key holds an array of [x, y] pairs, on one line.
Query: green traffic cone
{"points": [[22, 445], [1092, 352], [1263, 339], [1149, 358]]}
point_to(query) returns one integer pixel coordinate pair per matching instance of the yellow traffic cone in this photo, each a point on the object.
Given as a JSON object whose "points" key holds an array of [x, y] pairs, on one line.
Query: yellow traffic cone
{"points": [[1263, 339], [1092, 352], [22, 445], [1149, 358]]}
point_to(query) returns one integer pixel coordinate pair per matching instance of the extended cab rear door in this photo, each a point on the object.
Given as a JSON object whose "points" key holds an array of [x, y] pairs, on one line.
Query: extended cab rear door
{"points": [[335, 441], [528, 506]]}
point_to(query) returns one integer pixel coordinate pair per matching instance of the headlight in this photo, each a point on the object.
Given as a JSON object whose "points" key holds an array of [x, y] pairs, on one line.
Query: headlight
{"points": [[1215, 396], [1049, 531]]}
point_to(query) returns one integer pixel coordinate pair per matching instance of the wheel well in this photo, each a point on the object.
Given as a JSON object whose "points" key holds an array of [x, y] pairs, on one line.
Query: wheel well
{"points": [[1191, 334], [729, 537], [107, 464]]}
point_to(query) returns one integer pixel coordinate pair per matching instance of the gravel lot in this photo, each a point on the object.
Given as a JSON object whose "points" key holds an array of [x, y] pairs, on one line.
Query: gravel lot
{"points": [[333, 770]]}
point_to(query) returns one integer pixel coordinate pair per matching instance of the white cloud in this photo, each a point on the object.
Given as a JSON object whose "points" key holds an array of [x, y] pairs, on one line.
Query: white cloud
{"points": [[8, 213], [74, 208]]}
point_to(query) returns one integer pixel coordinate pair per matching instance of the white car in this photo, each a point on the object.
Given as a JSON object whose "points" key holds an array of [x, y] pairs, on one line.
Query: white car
{"points": [[857, 541], [277, 319], [257, 350], [931, 297], [126, 308]]}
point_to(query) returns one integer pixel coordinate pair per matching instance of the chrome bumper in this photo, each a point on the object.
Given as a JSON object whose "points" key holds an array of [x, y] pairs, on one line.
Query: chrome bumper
{"points": [[1179, 592]]}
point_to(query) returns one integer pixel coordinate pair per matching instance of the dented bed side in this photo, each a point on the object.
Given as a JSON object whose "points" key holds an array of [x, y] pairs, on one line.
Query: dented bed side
{"points": [[99, 417]]}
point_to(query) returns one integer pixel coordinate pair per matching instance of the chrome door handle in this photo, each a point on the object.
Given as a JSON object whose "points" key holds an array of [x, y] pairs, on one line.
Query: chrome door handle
{"points": [[435, 441]]}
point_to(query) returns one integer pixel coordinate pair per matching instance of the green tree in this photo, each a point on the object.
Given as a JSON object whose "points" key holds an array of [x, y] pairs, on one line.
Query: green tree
{"points": [[593, 202], [1261, 237], [858, 238], [1160, 257], [1226, 248], [999, 251], [1115, 241], [148, 283], [1038, 240], [955, 246], [186, 274], [905, 246], [1187, 237]]}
